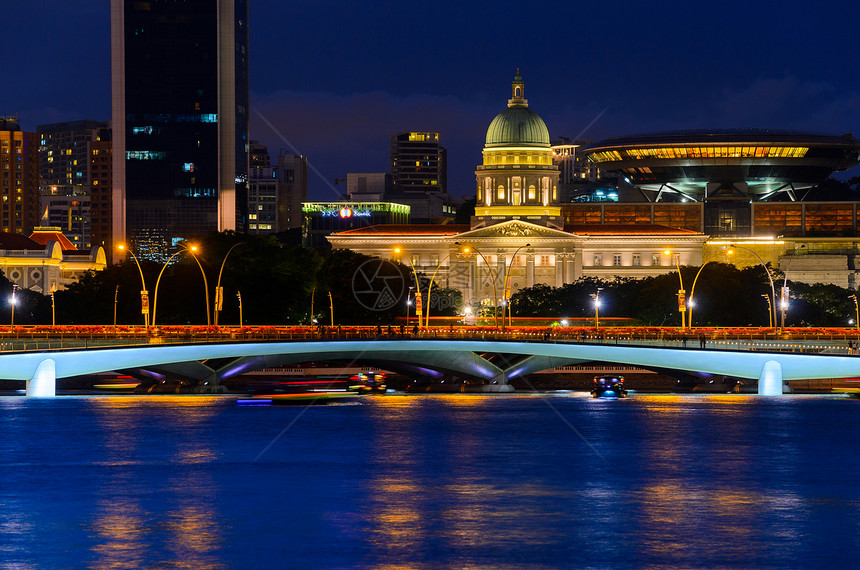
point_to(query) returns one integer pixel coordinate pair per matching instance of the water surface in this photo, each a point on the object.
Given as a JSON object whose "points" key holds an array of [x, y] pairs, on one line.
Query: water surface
{"points": [[430, 481]]}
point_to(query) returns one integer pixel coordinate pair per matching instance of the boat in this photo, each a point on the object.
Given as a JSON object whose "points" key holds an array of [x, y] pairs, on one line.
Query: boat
{"points": [[608, 387], [368, 382]]}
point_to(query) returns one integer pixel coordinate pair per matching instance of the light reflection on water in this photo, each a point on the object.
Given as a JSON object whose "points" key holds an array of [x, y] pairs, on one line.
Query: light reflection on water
{"points": [[424, 481]]}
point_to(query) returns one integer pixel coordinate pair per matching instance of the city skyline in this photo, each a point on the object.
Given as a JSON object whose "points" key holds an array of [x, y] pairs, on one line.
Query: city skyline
{"points": [[336, 84]]}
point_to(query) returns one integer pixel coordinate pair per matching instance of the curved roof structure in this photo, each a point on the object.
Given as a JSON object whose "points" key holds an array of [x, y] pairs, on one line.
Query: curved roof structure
{"points": [[517, 126], [752, 162]]}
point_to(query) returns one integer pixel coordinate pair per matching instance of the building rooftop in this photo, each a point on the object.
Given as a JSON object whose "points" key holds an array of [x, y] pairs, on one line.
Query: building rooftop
{"points": [[411, 230], [43, 235]]}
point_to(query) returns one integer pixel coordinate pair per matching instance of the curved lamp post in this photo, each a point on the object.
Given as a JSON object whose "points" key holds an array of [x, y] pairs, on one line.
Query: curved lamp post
{"points": [[219, 292], [505, 282], [467, 250], [157, 281], [429, 289], [783, 294], [191, 250], [682, 304], [693, 289], [418, 305], [13, 300], [771, 307], [144, 294], [596, 297]]}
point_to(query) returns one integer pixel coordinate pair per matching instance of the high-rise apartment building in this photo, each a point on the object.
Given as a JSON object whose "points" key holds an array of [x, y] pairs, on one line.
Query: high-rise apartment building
{"points": [[262, 191], [180, 119], [418, 162], [74, 161], [19, 178]]}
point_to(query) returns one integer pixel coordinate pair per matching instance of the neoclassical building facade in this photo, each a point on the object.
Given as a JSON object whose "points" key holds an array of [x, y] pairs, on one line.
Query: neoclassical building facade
{"points": [[517, 237]]}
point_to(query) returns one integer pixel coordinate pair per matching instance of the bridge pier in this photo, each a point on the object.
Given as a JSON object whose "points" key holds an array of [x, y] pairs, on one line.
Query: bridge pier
{"points": [[770, 381], [43, 384]]}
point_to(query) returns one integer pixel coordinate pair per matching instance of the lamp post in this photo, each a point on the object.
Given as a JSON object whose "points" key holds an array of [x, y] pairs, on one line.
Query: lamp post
{"points": [[430, 288], [419, 309], [856, 312], [691, 303], [115, 297], [770, 312], [771, 308], [157, 281], [408, 303], [241, 318], [682, 303], [313, 291], [783, 294], [331, 308], [596, 297], [219, 291], [191, 250], [466, 251], [144, 294], [13, 300], [506, 281], [53, 311]]}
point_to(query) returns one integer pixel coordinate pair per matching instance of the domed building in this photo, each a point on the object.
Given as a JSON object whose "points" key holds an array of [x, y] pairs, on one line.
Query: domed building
{"points": [[517, 179], [517, 237]]}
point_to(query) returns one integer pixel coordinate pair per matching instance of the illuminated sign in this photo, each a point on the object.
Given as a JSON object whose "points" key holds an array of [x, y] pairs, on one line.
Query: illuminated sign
{"points": [[345, 212]]}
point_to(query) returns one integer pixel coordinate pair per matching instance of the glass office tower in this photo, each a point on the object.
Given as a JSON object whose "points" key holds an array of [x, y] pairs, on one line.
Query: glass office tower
{"points": [[180, 120]]}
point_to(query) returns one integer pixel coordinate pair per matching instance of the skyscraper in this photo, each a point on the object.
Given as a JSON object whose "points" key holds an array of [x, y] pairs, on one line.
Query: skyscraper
{"points": [[19, 178], [418, 162], [180, 119]]}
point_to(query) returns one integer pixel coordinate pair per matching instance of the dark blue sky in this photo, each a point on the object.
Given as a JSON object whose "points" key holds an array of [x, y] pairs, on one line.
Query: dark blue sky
{"points": [[334, 79]]}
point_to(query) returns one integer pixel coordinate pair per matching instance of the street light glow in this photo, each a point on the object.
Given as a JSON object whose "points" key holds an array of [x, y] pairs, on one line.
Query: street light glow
{"points": [[563, 322]]}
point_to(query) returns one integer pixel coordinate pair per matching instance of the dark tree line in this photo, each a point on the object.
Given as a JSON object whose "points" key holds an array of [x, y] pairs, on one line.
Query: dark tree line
{"points": [[724, 296]]}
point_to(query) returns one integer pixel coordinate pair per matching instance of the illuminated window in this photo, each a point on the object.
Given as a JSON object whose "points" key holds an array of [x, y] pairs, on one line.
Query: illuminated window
{"points": [[500, 194], [616, 260], [531, 192], [416, 259], [598, 259], [655, 259], [637, 260], [252, 216], [544, 260]]}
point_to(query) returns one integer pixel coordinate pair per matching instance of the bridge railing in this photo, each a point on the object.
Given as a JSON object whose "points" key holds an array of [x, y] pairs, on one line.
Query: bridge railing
{"points": [[793, 340]]}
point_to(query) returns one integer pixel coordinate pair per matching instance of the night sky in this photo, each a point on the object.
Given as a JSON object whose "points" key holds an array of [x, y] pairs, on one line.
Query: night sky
{"points": [[335, 79]]}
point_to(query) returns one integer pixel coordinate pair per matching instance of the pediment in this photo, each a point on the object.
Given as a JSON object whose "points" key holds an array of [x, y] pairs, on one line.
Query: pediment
{"points": [[513, 229]]}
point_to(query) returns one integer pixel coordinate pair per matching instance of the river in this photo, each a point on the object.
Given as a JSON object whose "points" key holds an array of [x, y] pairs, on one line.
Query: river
{"points": [[532, 481]]}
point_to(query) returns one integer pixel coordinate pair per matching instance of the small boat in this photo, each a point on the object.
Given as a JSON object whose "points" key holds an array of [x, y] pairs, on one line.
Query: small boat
{"points": [[608, 387], [311, 397], [368, 382]]}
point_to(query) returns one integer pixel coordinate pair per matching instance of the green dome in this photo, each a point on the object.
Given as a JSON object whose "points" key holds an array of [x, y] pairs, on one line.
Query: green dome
{"points": [[518, 125]]}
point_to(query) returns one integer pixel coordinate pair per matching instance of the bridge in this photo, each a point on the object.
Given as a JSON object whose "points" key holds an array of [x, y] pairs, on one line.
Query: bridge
{"points": [[488, 358]]}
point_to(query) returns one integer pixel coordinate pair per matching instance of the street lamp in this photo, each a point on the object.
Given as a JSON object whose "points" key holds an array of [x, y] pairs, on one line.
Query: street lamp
{"points": [[53, 312], [771, 308], [331, 308], [144, 294], [783, 294], [408, 303], [856, 311], [191, 251], [690, 303], [241, 319], [219, 291], [313, 291], [596, 297], [115, 297], [418, 306], [466, 251], [430, 288], [770, 312], [13, 300], [682, 303], [505, 283], [157, 281]]}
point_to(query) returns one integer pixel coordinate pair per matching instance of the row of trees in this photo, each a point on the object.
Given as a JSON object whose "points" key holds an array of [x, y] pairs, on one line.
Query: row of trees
{"points": [[277, 282], [724, 296]]}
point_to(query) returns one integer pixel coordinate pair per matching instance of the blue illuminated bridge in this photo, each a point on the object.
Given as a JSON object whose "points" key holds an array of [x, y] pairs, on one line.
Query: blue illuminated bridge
{"points": [[489, 361]]}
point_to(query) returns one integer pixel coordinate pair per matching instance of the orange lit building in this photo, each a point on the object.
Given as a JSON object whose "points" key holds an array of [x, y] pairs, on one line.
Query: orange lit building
{"points": [[19, 178]]}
